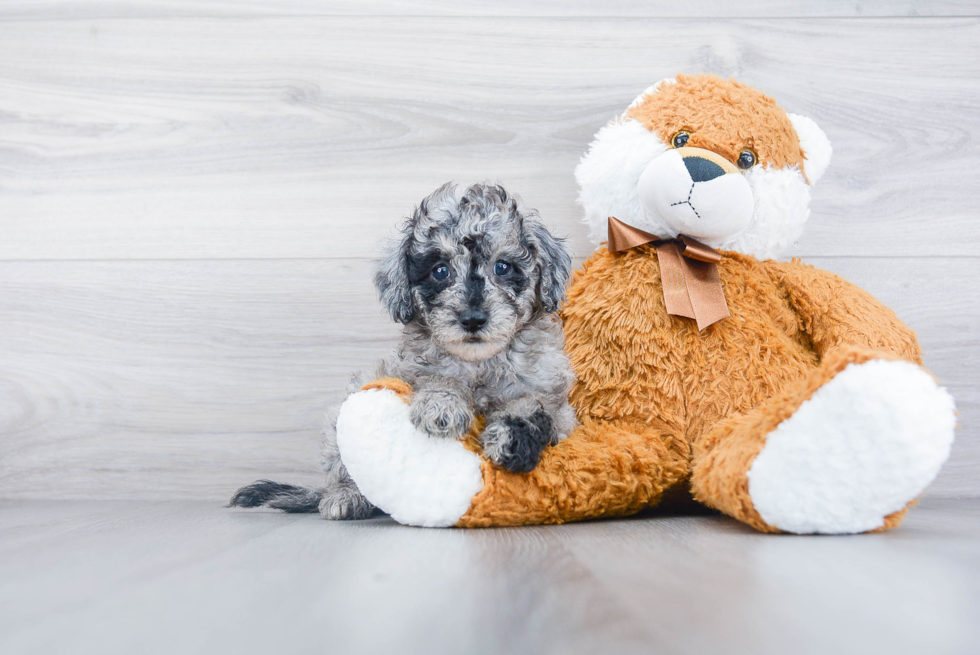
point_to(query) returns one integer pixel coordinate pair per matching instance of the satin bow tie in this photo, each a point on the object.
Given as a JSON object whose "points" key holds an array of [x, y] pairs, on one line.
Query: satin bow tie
{"points": [[688, 271]]}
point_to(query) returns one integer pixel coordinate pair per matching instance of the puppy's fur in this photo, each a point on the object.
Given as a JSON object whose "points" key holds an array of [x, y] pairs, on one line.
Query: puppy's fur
{"points": [[476, 280]]}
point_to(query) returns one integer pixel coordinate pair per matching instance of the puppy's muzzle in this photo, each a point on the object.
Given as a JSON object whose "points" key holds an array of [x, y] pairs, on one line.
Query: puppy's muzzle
{"points": [[697, 192], [473, 320]]}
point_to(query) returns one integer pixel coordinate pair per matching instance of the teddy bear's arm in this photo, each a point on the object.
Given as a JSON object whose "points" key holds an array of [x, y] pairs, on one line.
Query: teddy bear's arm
{"points": [[835, 313], [604, 468]]}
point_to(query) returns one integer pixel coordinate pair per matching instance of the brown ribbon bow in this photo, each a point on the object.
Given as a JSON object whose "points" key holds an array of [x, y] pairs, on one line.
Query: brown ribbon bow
{"points": [[688, 270]]}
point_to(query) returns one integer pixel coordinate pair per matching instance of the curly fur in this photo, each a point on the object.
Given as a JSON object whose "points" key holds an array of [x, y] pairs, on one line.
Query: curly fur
{"points": [[479, 339]]}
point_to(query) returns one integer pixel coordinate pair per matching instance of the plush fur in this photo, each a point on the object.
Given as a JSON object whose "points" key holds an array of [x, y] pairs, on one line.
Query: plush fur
{"points": [[476, 279], [420, 480], [807, 410], [639, 141], [878, 418]]}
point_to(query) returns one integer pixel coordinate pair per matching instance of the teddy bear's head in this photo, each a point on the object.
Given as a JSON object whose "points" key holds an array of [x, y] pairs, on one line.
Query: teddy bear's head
{"points": [[708, 158]]}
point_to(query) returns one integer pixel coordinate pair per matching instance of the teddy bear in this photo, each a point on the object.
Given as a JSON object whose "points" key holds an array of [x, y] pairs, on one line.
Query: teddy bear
{"points": [[772, 391]]}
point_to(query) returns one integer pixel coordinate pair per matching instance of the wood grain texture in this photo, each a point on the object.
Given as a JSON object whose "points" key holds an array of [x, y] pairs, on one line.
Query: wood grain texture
{"points": [[98, 9], [307, 137], [186, 379], [189, 379], [125, 577], [190, 193]]}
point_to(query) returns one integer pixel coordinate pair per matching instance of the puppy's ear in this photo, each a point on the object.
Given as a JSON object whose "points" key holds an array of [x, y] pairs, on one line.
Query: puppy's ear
{"points": [[392, 277], [554, 264]]}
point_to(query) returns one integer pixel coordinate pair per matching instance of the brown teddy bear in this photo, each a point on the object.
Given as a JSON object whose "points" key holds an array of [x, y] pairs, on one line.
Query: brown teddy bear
{"points": [[777, 393]]}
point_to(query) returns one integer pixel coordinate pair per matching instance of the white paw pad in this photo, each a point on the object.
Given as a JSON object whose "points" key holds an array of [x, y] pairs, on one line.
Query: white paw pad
{"points": [[863, 446], [417, 479]]}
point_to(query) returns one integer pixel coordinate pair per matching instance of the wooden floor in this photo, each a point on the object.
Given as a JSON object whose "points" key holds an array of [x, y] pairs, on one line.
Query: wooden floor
{"points": [[112, 577]]}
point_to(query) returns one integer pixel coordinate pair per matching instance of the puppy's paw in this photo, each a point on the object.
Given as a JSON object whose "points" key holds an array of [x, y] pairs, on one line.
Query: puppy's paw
{"points": [[345, 504], [441, 413], [516, 442]]}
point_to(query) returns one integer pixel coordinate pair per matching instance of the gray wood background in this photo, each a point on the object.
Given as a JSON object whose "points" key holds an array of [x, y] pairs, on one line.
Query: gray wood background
{"points": [[184, 577], [191, 194]]}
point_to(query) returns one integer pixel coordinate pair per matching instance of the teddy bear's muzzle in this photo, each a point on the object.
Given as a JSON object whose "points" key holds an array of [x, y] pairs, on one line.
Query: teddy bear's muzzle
{"points": [[698, 193]]}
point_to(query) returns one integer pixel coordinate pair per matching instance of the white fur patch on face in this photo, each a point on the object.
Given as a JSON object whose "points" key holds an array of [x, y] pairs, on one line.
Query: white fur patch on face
{"points": [[782, 207], [863, 446], [711, 211], [417, 479], [475, 351], [608, 174], [609, 185]]}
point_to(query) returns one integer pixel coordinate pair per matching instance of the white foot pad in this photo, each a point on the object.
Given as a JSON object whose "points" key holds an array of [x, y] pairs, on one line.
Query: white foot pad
{"points": [[417, 479], [863, 446]]}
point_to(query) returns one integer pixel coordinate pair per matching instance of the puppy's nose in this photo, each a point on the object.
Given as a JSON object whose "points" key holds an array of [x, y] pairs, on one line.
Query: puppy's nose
{"points": [[473, 320]]}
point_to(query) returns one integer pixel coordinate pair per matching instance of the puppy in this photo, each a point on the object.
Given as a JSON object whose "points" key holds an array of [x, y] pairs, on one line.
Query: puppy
{"points": [[476, 279]]}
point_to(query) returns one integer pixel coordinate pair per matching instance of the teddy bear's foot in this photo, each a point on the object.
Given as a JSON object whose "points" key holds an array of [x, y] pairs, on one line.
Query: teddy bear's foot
{"points": [[417, 479], [861, 448]]}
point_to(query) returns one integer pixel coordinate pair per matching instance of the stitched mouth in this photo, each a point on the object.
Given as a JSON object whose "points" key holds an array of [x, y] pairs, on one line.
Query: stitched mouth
{"points": [[688, 201]]}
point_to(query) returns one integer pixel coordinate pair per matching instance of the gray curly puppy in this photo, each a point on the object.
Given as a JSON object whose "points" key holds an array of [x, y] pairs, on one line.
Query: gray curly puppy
{"points": [[476, 279]]}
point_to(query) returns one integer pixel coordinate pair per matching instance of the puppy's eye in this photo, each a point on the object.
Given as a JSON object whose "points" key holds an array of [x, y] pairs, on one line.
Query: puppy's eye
{"points": [[746, 160], [680, 139], [502, 269], [440, 272]]}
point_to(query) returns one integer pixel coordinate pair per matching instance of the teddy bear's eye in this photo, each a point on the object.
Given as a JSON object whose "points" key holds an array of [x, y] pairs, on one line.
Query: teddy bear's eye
{"points": [[680, 139], [746, 160]]}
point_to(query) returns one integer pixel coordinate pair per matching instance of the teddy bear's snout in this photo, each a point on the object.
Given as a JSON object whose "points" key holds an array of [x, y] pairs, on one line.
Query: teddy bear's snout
{"points": [[695, 192]]}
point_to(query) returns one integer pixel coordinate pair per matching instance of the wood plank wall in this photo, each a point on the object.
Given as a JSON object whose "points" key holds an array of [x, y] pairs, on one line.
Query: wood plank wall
{"points": [[191, 195]]}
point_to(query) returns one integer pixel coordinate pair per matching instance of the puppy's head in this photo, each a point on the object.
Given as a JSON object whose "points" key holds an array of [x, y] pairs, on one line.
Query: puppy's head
{"points": [[473, 267], [709, 158]]}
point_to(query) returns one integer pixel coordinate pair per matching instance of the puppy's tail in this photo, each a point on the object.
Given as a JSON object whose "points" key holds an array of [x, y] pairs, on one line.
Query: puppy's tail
{"points": [[287, 497]]}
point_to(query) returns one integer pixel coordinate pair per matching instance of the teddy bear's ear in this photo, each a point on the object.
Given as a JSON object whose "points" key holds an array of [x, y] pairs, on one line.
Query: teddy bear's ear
{"points": [[816, 146], [650, 90]]}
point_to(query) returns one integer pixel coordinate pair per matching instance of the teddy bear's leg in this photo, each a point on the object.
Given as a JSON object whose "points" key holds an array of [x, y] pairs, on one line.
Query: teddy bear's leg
{"points": [[604, 468], [844, 451]]}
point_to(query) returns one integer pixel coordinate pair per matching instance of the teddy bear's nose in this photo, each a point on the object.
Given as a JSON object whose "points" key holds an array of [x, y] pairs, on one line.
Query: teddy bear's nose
{"points": [[701, 169]]}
